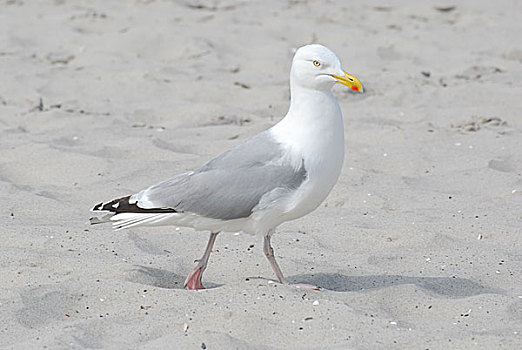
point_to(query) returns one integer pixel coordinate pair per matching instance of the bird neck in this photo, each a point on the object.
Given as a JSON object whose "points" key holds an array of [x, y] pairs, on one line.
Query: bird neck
{"points": [[314, 121], [313, 106]]}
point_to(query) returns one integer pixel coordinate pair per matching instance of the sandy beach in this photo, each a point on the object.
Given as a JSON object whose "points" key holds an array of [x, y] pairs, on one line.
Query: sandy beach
{"points": [[419, 245]]}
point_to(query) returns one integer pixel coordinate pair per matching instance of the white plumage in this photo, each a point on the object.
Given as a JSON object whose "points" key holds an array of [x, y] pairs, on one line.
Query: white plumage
{"points": [[279, 175]]}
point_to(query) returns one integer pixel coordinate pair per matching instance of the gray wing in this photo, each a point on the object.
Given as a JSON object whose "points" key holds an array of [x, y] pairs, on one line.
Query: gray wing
{"points": [[230, 185]]}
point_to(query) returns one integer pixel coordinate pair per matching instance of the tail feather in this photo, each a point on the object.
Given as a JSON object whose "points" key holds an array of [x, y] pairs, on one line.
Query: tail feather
{"points": [[128, 220], [102, 219]]}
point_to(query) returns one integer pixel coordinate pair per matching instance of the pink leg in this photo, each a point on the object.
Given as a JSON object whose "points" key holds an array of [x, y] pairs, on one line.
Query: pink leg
{"points": [[269, 253], [193, 281]]}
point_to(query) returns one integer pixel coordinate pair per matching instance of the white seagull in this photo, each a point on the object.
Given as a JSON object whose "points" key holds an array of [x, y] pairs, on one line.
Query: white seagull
{"points": [[278, 175]]}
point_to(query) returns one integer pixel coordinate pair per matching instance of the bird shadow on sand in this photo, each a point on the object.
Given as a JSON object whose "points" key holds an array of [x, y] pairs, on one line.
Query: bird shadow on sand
{"points": [[161, 278], [450, 287]]}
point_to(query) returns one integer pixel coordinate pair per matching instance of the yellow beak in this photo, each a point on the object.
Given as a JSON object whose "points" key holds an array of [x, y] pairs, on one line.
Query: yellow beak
{"points": [[349, 80]]}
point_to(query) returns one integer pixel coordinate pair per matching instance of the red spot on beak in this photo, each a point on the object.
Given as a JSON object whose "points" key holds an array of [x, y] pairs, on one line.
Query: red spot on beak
{"points": [[354, 88]]}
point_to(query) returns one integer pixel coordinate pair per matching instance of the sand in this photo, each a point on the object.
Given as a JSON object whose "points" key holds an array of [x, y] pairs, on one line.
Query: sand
{"points": [[417, 247]]}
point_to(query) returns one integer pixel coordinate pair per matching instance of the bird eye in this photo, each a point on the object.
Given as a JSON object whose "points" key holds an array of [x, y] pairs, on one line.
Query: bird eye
{"points": [[316, 63]]}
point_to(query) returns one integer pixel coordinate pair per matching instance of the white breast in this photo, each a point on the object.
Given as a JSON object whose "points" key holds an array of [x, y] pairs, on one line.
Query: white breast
{"points": [[313, 132]]}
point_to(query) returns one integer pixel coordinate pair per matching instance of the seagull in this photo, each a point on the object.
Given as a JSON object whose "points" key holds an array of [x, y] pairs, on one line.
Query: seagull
{"points": [[279, 175]]}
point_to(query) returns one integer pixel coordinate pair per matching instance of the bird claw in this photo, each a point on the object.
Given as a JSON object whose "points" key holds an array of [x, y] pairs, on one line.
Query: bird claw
{"points": [[193, 281]]}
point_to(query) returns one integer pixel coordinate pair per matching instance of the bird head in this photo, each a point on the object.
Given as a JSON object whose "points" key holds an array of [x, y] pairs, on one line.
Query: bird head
{"points": [[317, 67]]}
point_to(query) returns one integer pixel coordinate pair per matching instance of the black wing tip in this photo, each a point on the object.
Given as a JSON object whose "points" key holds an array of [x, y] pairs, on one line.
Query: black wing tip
{"points": [[122, 205], [112, 206], [97, 207]]}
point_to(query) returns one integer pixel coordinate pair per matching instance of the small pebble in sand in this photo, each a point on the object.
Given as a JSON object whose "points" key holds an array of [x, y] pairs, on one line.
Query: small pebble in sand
{"points": [[466, 314], [315, 303]]}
